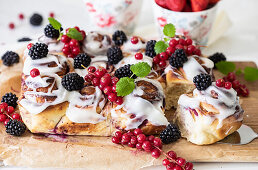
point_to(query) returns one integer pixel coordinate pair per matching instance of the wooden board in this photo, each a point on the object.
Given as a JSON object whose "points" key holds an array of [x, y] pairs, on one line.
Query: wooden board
{"points": [[100, 152]]}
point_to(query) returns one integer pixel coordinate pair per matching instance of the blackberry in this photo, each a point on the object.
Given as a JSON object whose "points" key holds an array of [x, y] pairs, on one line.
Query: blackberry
{"points": [[82, 59], [10, 99], [51, 32], [36, 19], [72, 81], [24, 39], [15, 127], [170, 134], [202, 81], [124, 71], [150, 49], [119, 38], [114, 55], [10, 57], [38, 51], [178, 58], [217, 57]]}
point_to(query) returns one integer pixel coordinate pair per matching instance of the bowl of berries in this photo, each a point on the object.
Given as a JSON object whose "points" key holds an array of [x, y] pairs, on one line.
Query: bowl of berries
{"points": [[192, 18]]}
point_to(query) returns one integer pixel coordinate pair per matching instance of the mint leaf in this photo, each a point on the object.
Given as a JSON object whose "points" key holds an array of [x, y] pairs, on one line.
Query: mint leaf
{"points": [[56, 25], [169, 30], [160, 47], [125, 86], [74, 34], [239, 71], [251, 73], [141, 69], [166, 39], [225, 67]]}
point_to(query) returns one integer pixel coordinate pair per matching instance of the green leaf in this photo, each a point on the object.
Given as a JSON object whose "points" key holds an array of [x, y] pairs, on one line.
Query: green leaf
{"points": [[251, 73], [225, 67], [166, 39], [169, 30], [74, 34], [160, 47], [239, 71], [141, 69], [56, 25], [125, 86]]}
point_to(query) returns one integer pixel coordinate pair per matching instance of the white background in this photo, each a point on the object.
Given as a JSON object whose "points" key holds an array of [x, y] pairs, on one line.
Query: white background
{"points": [[239, 43]]}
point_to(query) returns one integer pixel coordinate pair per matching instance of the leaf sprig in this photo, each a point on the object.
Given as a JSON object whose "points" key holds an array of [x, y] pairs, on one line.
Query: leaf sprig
{"points": [[56, 25], [126, 85]]}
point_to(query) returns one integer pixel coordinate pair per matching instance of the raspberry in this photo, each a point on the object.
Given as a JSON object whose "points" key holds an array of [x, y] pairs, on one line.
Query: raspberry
{"points": [[124, 71], [170, 134], [38, 51], [217, 57], [202, 81], [81, 61], [10, 99], [178, 58], [15, 127], [114, 55], [119, 37], [10, 57], [72, 81], [36, 19], [150, 48], [51, 32]]}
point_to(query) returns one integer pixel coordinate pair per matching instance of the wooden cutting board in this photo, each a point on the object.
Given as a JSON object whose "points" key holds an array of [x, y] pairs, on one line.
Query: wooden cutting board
{"points": [[99, 152]]}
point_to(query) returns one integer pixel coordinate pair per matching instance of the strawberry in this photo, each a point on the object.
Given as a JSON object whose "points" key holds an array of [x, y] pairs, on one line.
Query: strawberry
{"points": [[199, 5], [176, 5], [161, 3]]}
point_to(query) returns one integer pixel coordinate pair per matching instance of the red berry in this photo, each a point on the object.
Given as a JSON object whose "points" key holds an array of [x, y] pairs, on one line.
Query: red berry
{"points": [[65, 39], [138, 56], [70, 56], [11, 25], [235, 84], [100, 72], [244, 90], [188, 166], [16, 116], [157, 142], [170, 166], [6, 121], [220, 83], [139, 146], [83, 34], [151, 138], [66, 45], [10, 109], [131, 145], [137, 131], [21, 16], [2, 108], [107, 90], [112, 97], [5, 105], [105, 81], [76, 51], [92, 69], [29, 45], [170, 50], [189, 41], [67, 29], [114, 80], [141, 138], [133, 140], [88, 77], [190, 49], [165, 162], [134, 40], [231, 76], [156, 60], [126, 138], [77, 28], [179, 46], [114, 88], [162, 64], [163, 56], [119, 100], [115, 140], [73, 43], [118, 134], [146, 145], [130, 133], [2, 117], [155, 153], [177, 167], [34, 72], [228, 85], [197, 52], [95, 81], [180, 161], [182, 42], [173, 42], [51, 14], [66, 51], [172, 155]]}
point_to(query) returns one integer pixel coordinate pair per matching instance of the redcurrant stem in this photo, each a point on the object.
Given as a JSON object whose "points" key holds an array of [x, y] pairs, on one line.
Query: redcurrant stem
{"points": [[201, 46], [8, 115]]}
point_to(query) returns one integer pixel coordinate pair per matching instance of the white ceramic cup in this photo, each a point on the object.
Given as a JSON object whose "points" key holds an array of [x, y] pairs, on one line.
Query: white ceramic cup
{"points": [[195, 25], [111, 15]]}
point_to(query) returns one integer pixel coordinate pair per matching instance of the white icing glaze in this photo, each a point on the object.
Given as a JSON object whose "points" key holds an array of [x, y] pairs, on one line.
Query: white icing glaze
{"points": [[226, 102], [94, 47], [131, 60], [130, 47], [53, 44], [143, 109]]}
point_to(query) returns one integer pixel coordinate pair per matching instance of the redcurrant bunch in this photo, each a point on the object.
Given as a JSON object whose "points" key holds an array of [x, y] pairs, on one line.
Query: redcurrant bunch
{"points": [[7, 113]]}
